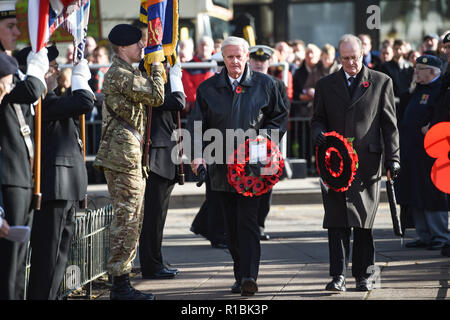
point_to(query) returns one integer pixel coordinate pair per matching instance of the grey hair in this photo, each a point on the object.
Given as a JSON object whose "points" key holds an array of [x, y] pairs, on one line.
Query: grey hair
{"points": [[235, 41], [206, 39], [349, 38]]}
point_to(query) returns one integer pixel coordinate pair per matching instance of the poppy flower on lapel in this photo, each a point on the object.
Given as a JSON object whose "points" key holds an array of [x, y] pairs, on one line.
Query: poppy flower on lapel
{"points": [[366, 84], [238, 89]]}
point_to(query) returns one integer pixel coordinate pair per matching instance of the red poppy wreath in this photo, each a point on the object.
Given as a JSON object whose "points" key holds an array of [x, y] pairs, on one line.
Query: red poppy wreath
{"points": [[254, 180], [337, 162]]}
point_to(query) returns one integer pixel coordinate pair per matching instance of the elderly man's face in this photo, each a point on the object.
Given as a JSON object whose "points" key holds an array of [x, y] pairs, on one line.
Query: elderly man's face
{"points": [[235, 58], [350, 55], [9, 33], [424, 74]]}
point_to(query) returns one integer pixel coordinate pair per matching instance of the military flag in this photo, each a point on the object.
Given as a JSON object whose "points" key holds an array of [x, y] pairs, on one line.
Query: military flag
{"points": [[161, 17]]}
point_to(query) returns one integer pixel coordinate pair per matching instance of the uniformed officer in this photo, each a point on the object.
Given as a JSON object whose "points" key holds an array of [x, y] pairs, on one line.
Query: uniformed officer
{"points": [[64, 179], [16, 141], [128, 93], [260, 61]]}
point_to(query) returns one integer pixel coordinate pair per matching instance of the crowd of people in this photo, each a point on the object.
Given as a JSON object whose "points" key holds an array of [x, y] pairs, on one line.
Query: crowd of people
{"points": [[385, 100]]}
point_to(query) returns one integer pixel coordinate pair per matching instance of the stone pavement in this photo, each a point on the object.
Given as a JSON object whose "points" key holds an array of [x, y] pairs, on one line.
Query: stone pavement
{"points": [[294, 263]]}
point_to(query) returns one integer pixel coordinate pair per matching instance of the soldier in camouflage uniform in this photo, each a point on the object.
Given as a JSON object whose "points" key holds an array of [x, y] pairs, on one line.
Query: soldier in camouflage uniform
{"points": [[128, 92]]}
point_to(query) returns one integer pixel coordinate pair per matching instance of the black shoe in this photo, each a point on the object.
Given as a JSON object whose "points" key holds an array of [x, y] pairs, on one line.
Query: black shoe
{"points": [[164, 273], [337, 284], [445, 251], [122, 290], [248, 287], [363, 284], [416, 244], [219, 245], [236, 287]]}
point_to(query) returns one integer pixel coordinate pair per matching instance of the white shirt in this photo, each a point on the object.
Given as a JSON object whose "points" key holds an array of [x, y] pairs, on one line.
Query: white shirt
{"points": [[238, 79]]}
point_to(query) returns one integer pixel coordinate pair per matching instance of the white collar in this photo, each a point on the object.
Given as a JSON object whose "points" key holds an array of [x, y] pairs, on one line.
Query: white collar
{"points": [[238, 79], [348, 76]]}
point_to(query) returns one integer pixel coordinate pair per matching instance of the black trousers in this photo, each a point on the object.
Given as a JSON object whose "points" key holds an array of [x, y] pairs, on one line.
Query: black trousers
{"points": [[17, 205], [264, 208], [51, 238], [157, 194], [363, 254], [210, 220], [241, 215]]}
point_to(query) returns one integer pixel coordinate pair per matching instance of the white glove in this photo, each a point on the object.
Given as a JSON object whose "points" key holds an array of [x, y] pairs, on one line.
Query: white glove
{"points": [[175, 75], [38, 64], [80, 76]]}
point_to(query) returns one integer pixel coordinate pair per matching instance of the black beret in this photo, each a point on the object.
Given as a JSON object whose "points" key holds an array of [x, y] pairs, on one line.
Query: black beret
{"points": [[125, 35], [446, 38], [21, 56], [8, 65], [429, 60]]}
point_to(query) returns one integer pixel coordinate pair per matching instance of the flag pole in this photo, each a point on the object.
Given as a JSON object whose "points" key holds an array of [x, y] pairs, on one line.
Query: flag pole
{"points": [[37, 195]]}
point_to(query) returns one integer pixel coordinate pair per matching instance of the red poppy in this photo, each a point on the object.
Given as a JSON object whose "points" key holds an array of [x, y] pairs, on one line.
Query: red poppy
{"points": [[366, 84], [238, 89], [249, 181], [437, 146]]}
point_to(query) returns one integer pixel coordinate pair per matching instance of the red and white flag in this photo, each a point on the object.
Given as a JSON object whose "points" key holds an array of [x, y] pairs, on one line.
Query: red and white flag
{"points": [[45, 16]]}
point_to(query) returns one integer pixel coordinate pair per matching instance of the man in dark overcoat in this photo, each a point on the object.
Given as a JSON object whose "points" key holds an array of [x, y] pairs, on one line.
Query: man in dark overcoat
{"points": [[162, 178], [237, 99], [16, 142], [358, 103]]}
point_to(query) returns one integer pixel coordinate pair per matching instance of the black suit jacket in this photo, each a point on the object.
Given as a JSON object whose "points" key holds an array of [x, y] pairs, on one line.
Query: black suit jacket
{"points": [[64, 174], [164, 122], [299, 80], [16, 169]]}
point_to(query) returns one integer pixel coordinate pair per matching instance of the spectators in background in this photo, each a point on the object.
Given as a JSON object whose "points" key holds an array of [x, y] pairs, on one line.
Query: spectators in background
{"points": [[100, 56], [412, 56], [218, 45], [369, 60], [399, 69], [278, 71], [430, 44], [299, 52], [386, 54], [186, 50], [193, 77], [301, 75], [324, 67], [69, 54], [89, 48]]}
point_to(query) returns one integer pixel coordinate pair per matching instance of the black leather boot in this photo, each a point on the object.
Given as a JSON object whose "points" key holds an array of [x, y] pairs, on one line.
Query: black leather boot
{"points": [[122, 290]]}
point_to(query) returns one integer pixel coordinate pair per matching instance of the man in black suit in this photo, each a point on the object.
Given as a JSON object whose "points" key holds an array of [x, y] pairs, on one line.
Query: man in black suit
{"points": [[64, 180], [161, 180], [358, 103], [16, 142]]}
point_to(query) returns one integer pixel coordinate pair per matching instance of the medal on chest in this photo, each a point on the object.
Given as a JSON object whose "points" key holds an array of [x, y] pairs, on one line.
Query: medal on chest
{"points": [[424, 99]]}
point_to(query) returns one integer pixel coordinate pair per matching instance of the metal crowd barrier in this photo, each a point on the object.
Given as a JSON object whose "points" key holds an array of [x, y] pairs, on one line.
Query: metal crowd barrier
{"points": [[89, 251]]}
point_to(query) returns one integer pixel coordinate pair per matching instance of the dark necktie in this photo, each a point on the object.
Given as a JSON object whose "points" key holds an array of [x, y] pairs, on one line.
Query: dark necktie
{"points": [[351, 87], [235, 84]]}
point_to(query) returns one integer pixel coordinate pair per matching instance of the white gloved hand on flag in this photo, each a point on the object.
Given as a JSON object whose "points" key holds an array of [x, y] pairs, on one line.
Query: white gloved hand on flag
{"points": [[80, 76], [175, 75], [38, 65]]}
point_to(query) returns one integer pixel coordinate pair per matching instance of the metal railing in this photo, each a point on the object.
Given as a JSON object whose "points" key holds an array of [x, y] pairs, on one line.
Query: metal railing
{"points": [[89, 251]]}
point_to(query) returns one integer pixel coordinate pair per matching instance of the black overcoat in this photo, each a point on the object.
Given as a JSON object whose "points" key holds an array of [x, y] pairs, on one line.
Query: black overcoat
{"points": [[258, 106], [368, 117], [64, 175]]}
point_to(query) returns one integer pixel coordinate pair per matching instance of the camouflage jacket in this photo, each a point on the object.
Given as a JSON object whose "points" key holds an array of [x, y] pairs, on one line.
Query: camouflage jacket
{"points": [[127, 92]]}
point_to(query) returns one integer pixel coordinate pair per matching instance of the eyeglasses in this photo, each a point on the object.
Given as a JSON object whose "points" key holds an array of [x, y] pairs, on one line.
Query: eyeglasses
{"points": [[348, 59]]}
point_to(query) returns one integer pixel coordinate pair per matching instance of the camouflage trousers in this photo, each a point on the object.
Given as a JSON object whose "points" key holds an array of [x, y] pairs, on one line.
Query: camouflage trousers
{"points": [[127, 194]]}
